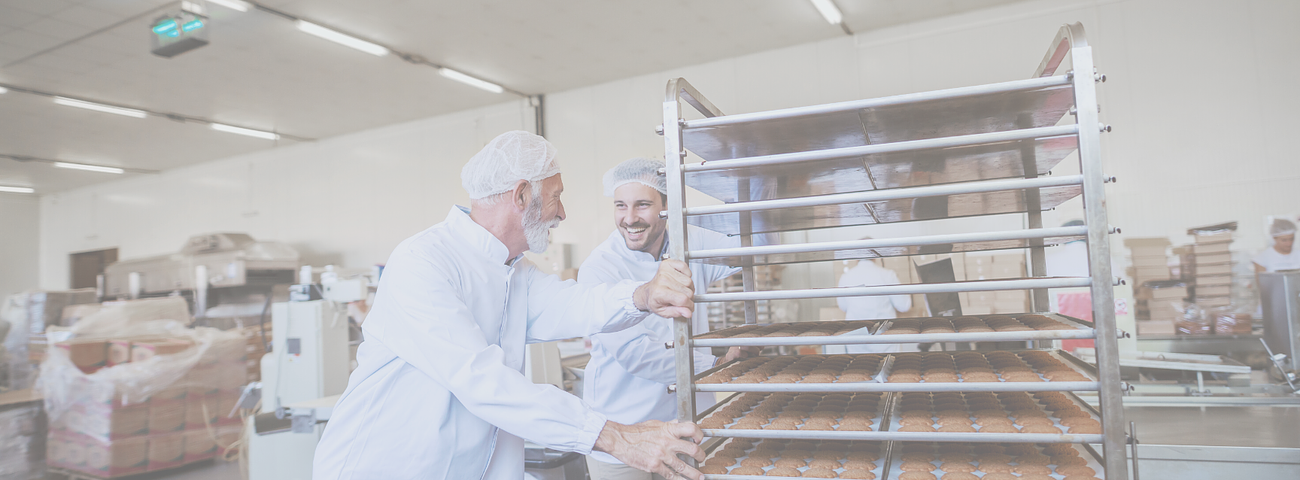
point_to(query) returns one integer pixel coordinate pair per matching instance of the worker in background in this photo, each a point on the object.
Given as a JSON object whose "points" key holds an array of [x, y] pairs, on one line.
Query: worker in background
{"points": [[439, 391], [629, 370], [868, 273], [1282, 255]]}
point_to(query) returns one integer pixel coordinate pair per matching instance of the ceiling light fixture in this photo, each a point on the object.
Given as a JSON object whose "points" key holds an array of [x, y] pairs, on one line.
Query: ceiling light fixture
{"points": [[342, 39], [236, 5], [17, 189], [99, 107], [90, 168], [471, 81], [829, 11], [4, 90], [245, 131]]}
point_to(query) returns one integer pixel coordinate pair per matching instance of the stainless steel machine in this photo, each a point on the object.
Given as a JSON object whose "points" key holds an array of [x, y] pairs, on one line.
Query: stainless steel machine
{"points": [[230, 270], [1280, 297]]}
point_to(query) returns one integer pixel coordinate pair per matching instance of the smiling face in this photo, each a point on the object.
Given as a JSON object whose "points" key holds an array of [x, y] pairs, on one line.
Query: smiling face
{"points": [[636, 214], [1284, 243]]}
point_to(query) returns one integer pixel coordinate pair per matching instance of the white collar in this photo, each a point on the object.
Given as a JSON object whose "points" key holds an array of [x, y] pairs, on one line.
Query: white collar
{"points": [[478, 237]]}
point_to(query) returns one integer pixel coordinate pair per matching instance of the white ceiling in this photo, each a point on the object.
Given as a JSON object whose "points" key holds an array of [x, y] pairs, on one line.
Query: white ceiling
{"points": [[260, 72]]}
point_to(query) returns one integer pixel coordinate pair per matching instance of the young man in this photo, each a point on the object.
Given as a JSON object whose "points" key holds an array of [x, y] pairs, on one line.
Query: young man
{"points": [[629, 370], [439, 390]]}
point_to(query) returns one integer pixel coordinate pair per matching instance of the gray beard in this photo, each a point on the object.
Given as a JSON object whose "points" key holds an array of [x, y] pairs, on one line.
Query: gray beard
{"points": [[536, 231]]}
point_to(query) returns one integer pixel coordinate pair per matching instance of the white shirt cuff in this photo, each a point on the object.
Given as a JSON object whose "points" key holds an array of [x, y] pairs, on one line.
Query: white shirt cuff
{"points": [[591, 428]]}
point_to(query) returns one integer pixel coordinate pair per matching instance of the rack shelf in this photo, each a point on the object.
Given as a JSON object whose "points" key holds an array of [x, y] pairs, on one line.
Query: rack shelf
{"points": [[962, 152]]}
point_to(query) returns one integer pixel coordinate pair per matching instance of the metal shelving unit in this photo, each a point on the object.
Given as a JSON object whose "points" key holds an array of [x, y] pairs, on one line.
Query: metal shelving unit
{"points": [[962, 152]]}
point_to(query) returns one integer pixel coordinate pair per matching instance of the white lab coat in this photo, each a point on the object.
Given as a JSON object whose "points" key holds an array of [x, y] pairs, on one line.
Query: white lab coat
{"points": [[629, 371], [867, 273], [1273, 261], [439, 392]]}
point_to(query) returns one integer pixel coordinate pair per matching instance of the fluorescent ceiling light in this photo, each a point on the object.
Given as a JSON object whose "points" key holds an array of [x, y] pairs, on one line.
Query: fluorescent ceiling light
{"points": [[829, 11], [99, 107], [245, 131], [237, 5], [89, 168], [17, 189], [4, 90], [341, 39], [471, 81]]}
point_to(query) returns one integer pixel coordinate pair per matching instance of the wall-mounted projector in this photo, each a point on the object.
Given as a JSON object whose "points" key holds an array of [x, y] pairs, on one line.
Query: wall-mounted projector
{"points": [[180, 31]]}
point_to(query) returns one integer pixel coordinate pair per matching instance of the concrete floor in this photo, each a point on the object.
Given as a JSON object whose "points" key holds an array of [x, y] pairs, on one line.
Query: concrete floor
{"points": [[1256, 426], [213, 470]]}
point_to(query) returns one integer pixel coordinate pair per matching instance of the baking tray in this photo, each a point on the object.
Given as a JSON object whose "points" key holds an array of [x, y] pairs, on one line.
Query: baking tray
{"points": [[1085, 451], [882, 465], [879, 421], [1082, 330], [885, 361], [896, 418], [877, 385]]}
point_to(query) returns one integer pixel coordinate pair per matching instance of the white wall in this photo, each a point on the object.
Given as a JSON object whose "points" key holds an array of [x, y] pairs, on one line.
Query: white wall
{"points": [[1197, 94], [19, 240], [346, 200]]}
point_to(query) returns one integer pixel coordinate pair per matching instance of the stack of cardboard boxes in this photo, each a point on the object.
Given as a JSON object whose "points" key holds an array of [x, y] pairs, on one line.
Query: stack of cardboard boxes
{"points": [[1156, 291], [108, 431], [28, 314], [1212, 267]]}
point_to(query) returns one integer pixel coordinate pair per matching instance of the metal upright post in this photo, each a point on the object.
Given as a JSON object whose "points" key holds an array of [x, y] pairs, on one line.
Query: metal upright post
{"points": [[674, 155], [1114, 448], [747, 270], [1034, 207]]}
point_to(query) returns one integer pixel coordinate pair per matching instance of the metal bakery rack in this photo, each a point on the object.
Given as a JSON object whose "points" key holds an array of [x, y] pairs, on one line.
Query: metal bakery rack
{"points": [[961, 152]]}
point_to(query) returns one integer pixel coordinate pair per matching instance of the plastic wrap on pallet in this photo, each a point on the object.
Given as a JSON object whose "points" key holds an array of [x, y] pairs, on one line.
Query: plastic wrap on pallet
{"points": [[22, 446], [146, 395], [28, 314]]}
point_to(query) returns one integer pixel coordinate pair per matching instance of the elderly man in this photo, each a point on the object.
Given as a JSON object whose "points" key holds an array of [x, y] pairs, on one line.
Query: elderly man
{"points": [[629, 369], [439, 391]]}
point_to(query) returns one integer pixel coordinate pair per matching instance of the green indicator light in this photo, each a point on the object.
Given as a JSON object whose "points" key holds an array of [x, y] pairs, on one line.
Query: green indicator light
{"points": [[164, 27], [192, 25]]}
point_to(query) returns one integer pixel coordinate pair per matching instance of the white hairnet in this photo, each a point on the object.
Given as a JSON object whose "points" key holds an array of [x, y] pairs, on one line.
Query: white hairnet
{"points": [[1281, 226], [507, 159], [637, 170]]}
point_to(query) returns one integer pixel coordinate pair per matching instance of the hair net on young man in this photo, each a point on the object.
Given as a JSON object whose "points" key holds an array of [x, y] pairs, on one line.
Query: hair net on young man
{"points": [[507, 159], [637, 170], [1281, 226]]}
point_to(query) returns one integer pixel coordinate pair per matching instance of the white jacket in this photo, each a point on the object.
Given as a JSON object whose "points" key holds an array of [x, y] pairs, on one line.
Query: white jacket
{"points": [[629, 371], [881, 307], [439, 391]]}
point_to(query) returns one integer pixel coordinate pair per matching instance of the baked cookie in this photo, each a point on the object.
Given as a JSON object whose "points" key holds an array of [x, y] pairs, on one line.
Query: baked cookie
{"points": [[999, 428], [859, 465], [755, 461], [860, 474], [790, 462], [957, 467], [917, 428], [783, 472], [747, 470], [1023, 470], [713, 469], [994, 467], [916, 467], [820, 473], [721, 461], [1040, 429], [825, 463], [957, 428], [959, 476], [915, 476], [999, 476]]}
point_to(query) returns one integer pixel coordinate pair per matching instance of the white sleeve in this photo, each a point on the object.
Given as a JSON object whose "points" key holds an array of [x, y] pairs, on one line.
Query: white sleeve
{"points": [[901, 303], [438, 335], [635, 349], [560, 309]]}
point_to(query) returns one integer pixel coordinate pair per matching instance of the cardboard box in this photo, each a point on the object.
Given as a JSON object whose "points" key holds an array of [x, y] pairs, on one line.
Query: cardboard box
{"points": [[142, 350], [1212, 259], [981, 298], [86, 354], [195, 417], [1151, 273], [199, 445], [1169, 293], [1211, 248], [830, 314], [166, 451], [166, 417], [104, 422], [1221, 236], [1155, 327], [119, 352], [121, 457], [1213, 280], [1157, 261], [1147, 246], [973, 260], [1205, 270], [1010, 307], [977, 310], [979, 272], [226, 401], [1214, 291]]}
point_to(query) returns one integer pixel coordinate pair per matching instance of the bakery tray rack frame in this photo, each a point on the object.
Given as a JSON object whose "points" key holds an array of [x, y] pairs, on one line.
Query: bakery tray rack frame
{"points": [[981, 150]]}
